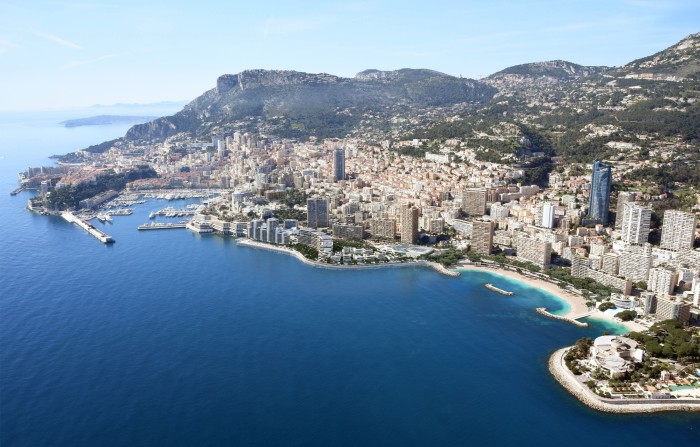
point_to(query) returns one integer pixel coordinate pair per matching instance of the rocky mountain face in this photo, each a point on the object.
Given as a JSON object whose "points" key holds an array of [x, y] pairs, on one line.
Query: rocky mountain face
{"points": [[680, 62], [646, 112], [297, 104]]}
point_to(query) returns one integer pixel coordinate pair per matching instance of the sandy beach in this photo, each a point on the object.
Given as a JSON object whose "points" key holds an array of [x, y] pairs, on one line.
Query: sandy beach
{"points": [[577, 304]]}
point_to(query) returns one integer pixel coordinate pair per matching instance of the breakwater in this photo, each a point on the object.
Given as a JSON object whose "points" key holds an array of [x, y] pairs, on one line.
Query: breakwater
{"points": [[281, 249], [566, 378], [543, 311], [98, 234]]}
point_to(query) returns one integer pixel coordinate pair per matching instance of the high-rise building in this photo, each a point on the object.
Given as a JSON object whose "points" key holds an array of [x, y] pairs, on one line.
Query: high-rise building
{"points": [[662, 281], [635, 263], [533, 250], [482, 237], [678, 231], [317, 213], [474, 202], [409, 224], [635, 223], [599, 202], [622, 198], [548, 215], [383, 228], [672, 309], [339, 164]]}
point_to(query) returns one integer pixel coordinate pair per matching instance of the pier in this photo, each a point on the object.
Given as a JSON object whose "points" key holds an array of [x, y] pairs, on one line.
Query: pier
{"points": [[543, 311], [17, 191], [99, 235]]}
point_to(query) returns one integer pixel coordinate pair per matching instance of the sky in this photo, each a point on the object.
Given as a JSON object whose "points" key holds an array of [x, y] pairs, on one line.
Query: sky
{"points": [[61, 54]]}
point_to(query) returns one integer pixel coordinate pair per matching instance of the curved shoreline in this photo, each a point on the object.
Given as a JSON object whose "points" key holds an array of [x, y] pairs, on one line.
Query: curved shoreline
{"points": [[566, 378], [576, 303], [281, 249]]}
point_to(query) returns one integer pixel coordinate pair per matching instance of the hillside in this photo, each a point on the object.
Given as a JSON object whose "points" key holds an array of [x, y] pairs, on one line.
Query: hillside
{"points": [[299, 105]]}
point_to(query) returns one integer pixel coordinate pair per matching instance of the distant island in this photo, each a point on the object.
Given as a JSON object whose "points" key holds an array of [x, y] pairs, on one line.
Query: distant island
{"points": [[104, 120]]}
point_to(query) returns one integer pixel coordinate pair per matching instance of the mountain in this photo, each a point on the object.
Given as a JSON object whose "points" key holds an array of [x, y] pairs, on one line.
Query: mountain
{"points": [[294, 104], [644, 115], [680, 62]]}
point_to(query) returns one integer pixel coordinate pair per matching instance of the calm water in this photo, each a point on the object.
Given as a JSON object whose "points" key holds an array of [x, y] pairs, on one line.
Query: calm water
{"points": [[170, 338]]}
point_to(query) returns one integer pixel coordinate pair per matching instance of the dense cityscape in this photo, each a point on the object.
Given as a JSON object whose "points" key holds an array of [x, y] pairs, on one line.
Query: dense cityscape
{"points": [[611, 242]]}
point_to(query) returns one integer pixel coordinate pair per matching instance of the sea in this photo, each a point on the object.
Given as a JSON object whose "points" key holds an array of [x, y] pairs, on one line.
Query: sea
{"points": [[169, 338]]}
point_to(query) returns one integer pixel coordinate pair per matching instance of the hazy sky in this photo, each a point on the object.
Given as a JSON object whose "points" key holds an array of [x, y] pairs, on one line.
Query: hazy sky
{"points": [[57, 54]]}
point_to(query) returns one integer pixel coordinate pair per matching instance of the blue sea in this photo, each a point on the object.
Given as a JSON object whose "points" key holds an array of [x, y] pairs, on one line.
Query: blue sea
{"points": [[175, 339]]}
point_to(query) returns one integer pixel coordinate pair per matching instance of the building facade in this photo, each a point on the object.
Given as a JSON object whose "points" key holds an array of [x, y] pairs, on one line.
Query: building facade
{"points": [[317, 213], [599, 201], [482, 237], [678, 231]]}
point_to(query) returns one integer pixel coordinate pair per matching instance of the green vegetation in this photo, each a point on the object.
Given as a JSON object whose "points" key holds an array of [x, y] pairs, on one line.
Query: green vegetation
{"points": [[667, 339], [308, 252], [447, 257], [578, 352], [295, 197], [102, 147], [339, 244], [626, 315], [607, 305], [289, 213], [588, 284], [70, 196]]}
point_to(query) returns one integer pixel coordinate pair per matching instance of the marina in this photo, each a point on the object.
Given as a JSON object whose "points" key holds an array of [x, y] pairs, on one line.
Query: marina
{"points": [[497, 290], [172, 212]]}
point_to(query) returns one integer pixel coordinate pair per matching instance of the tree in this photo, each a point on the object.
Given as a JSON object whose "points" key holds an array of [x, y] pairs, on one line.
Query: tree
{"points": [[606, 305], [627, 315]]}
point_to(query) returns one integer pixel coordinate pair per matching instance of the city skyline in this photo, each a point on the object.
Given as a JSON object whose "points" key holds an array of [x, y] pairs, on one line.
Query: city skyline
{"points": [[57, 55]]}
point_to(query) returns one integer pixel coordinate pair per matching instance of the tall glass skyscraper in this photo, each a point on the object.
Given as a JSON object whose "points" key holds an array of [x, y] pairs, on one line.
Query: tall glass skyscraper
{"points": [[599, 203], [339, 164]]}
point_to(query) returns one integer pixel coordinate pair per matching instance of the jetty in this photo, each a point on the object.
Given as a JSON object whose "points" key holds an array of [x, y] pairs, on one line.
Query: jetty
{"points": [[543, 311], [493, 288], [87, 226], [17, 191]]}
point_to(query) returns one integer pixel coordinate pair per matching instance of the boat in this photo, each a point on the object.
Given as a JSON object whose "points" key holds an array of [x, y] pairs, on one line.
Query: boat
{"points": [[152, 215], [161, 226], [497, 290]]}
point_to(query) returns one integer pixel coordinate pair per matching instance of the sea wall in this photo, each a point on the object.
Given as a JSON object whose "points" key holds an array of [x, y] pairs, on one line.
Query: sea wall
{"points": [[282, 249], [566, 378]]}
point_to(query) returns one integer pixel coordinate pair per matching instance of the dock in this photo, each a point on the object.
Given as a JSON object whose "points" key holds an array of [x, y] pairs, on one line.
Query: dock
{"points": [[172, 212], [17, 191], [493, 288], [161, 226], [87, 226]]}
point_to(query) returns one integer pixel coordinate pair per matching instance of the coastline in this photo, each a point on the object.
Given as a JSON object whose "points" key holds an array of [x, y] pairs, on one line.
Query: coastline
{"points": [[576, 303], [566, 378], [282, 249]]}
